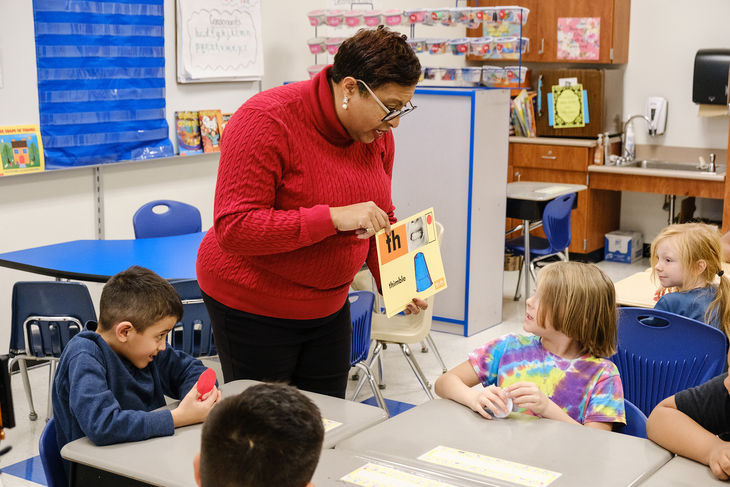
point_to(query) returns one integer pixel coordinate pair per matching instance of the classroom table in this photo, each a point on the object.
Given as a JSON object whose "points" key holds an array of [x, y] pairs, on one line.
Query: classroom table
{"points": [[526, 201], [525, 449], [167, 460], [97, 260], [639, 290], [683, 472]]}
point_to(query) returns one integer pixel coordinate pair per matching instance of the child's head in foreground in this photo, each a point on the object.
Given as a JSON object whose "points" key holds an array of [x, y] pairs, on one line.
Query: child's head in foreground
{"points": [[137, 310], [269, 435], [579, 301]]}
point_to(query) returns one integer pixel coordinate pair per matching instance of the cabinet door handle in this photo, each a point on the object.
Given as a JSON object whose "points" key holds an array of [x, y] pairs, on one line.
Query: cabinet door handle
{"points": [[517, 175], [549, 157], [542, 46]]}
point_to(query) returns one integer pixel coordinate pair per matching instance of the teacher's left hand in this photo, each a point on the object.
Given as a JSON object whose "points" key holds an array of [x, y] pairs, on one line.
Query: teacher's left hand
{"points": [[415, 306]]}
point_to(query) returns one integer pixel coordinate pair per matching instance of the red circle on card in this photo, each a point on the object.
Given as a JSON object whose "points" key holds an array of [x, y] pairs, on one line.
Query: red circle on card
{"points": [[428, 219]]}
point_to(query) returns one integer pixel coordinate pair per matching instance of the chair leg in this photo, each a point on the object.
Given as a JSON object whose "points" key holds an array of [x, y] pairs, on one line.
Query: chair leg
{"points": [[416, 369], [424, 346], [51, 376], [429, 338], [533, 273], [26, 385], [519, 279], [376, 391], [375, 355]]}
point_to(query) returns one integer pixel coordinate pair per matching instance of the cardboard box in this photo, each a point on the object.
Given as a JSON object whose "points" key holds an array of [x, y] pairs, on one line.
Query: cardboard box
{"points": [[623, 246]]}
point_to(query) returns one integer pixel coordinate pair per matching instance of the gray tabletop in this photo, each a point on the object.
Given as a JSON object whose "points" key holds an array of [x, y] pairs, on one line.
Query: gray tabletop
{"points": [[168, 460], [583, 456], [682, 472], [540, 191]]}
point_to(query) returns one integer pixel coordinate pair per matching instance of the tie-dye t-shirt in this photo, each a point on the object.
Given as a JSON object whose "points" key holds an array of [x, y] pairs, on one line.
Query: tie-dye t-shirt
{"points": [[587, 388]]}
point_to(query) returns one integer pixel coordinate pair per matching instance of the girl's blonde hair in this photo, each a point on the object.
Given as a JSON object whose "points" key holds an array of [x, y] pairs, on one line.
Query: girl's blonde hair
{"points": [[580, 302], [697, 242]]}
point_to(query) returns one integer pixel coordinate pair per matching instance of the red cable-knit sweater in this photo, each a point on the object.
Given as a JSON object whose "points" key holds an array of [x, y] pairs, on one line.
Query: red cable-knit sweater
{"points": [[285, 159]]}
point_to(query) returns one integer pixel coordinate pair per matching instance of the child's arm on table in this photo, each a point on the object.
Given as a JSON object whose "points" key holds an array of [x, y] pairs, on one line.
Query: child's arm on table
{"points": [[457, 384], [191, 410], [677, 432]]}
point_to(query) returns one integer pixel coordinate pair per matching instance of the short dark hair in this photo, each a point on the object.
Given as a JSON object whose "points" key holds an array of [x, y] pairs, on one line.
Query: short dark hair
{"points": [[269, 435], [377, 57], [139, 296]]}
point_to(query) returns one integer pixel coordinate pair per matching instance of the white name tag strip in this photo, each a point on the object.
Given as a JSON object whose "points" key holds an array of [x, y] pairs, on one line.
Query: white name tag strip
{"points": [[330, 424], [374, 475], [551, 189], [497, 468]]}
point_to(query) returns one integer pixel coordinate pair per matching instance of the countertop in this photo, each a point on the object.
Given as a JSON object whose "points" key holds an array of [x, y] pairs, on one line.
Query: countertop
{"points": [[561, 141], [664, 173]]}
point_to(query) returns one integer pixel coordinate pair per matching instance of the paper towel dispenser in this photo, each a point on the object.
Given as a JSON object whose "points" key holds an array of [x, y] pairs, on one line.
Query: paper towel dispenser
{"points": [[711, 76]]}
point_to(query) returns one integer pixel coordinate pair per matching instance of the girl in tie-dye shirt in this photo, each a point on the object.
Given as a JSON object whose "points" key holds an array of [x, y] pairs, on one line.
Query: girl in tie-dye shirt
{"points": [[557, 371]]}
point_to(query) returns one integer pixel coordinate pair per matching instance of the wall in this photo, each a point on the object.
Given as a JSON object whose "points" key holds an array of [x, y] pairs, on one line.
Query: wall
{"points": [[45, 208]]}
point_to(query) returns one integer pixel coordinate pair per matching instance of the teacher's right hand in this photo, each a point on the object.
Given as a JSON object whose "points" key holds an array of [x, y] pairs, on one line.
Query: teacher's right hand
{"points": [[365, 218]]}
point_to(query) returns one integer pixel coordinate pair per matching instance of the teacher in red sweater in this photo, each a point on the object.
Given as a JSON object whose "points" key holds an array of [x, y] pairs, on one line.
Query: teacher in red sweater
{"points": [[303, 183]]}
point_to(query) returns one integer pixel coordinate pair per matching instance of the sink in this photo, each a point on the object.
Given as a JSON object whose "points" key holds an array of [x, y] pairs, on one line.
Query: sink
{"points": [[673, 166]]}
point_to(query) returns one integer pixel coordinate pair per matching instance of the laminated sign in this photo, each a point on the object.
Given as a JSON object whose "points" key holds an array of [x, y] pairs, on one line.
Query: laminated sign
{"points": [[410, 263]]}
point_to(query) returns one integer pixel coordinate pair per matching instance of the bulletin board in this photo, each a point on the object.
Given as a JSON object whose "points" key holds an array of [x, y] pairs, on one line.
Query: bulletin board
{"points": [[219, 40]]}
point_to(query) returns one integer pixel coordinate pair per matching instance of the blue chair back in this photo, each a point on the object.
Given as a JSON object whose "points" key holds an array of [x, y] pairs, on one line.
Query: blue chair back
{"points": [[51, 456], [193, 334], [177, 219], [361, 313], [661, 353], [48, 299], [556, 222], [635, 421]]}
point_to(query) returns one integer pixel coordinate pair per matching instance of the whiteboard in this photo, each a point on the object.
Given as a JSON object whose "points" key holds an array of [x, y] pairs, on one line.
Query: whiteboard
{"points": [[219, 40]]}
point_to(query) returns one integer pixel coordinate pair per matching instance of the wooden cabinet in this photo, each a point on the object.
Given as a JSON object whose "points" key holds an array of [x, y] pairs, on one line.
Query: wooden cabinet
{"points": [[597, 211], [542, 28]]}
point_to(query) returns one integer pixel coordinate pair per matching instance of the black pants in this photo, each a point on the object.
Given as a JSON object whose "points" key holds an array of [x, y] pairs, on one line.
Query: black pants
{"points": [[313, 355]]}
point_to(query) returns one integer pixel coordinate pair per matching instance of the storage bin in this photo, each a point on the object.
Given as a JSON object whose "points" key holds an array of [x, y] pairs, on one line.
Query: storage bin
{"points": [[371, 18], [481, 47], [493, 75], [415, 15], [316, 45], [515, 73], [333, 44], [417, 44], [471, 74], [441, 15], [393, 17], [436, 46], [334, 18], [353, 18], [459, 47], [316, 17], [314, 69]]}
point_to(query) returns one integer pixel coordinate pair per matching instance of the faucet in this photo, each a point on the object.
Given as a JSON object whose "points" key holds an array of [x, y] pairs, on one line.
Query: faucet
{"points": [[713, 166], [630, 153]]}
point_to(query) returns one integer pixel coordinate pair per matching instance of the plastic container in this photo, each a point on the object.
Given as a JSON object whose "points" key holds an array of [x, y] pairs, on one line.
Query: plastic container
{"points": [[333, 44], [353, 18], [436, 46], [317, 45], [509, 47], [481, 47], [441, 15], [417, 44], [372, 18], [433, 73], [516, 74], [316, 17], [471, 74], [334, 18], [504, 21], [314, 69], [449, 74], [493, 75], [459, 47], [393, 17], [415, 15], [461, 15]]}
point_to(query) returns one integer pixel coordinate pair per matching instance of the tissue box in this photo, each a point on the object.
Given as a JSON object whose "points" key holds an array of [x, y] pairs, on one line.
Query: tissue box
{"points": [[623, 246]]}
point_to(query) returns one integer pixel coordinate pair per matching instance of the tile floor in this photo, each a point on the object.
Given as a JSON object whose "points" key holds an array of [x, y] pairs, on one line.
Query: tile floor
{"points": [[401, 384]]}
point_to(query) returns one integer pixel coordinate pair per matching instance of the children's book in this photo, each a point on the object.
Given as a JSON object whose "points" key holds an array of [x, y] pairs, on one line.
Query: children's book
{"points": [[187, 128], [225, 117], [210, 129], [21, 150], [410, 263]]}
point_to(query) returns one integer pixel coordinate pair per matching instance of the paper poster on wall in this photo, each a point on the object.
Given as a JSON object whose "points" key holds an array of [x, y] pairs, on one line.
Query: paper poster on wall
{"points": [[21, 150], [567, 106], [410, 261], [219, 40], [579, 38]]}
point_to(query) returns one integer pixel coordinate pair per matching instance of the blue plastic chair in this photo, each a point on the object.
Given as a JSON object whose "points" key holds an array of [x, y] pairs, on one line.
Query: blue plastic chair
{"points": [[635, 421], [193, 334], [177, 218], [45, 316], [361, 313], [51, 456], [661, 353], [556, 225]]}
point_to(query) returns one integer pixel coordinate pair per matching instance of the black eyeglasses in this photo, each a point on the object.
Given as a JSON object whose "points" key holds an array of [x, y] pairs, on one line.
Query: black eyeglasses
{"points": [[389, 114]]}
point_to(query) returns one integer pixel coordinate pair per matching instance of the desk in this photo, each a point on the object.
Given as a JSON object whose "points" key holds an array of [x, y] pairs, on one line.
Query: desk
{"points": [[583, 456], [682, 472], [97, 260], [526, 201], [168, 460]]}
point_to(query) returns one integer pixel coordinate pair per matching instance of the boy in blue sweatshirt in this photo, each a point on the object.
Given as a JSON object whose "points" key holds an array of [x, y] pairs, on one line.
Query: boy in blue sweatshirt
{"points": [[109, 382]]}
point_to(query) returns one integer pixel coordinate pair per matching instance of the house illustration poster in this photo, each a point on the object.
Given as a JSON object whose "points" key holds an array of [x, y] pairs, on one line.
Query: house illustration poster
{"points": [[21, 150]]}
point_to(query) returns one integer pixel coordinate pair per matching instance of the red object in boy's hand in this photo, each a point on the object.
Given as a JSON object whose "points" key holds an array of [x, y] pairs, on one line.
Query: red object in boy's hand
{"points": [[206, 382]]}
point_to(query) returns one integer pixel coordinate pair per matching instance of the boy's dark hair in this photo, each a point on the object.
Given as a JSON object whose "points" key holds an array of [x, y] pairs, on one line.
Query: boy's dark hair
{"points": [[269, 435], [139, 296], [377, 57]]}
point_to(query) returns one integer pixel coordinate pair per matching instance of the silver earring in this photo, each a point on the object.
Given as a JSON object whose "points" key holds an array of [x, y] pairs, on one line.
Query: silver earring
{"points": [[344, 103]]}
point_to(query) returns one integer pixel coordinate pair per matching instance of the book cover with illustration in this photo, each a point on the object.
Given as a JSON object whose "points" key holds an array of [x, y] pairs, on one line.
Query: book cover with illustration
{"points": [[410, 261], [187, 127], [210, 129], [21, 150], [225, 117]]}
